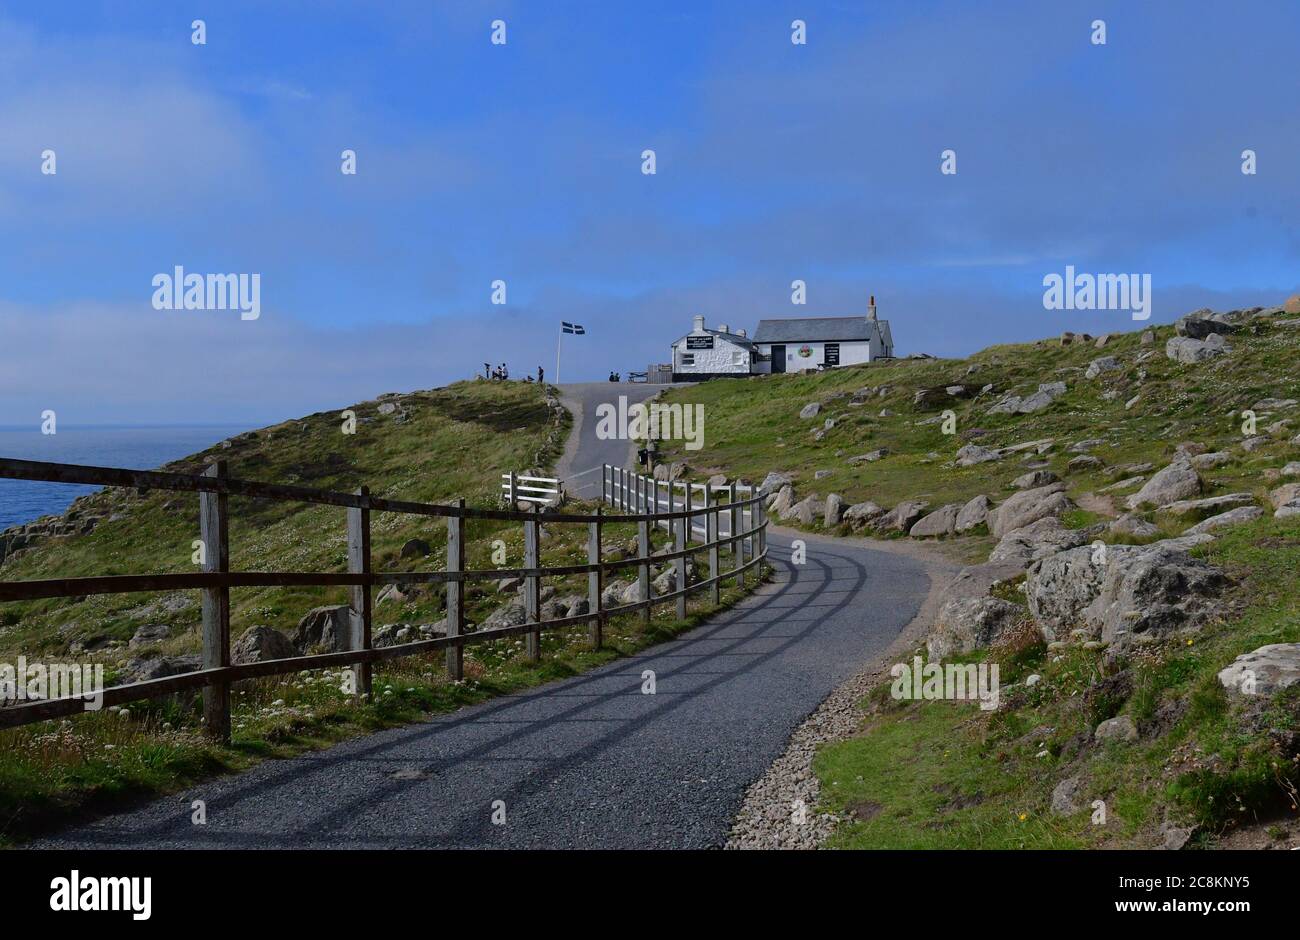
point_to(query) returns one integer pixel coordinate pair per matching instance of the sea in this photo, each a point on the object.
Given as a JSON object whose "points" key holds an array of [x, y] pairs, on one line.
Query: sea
{"points": [[131, 448]]}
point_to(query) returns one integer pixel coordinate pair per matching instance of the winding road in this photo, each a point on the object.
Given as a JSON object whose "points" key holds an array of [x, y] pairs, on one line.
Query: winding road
{"points": [[587, 762]]}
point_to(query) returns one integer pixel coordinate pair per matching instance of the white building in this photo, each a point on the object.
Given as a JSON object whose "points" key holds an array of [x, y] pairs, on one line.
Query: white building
{"points": [[707, 354], [822, 342]]}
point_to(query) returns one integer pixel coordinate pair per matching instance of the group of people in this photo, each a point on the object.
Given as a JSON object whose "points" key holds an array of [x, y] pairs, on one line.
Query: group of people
{"points": [[501, 373]]}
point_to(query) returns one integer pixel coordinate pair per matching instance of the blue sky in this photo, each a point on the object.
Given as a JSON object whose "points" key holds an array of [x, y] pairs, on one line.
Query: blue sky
{"points": [[522, 162]]}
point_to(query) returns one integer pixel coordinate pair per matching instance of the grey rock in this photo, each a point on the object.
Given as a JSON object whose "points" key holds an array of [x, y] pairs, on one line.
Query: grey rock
{"points": [[901, 517], [1191, 351], [974, 513], [967, 624], [149, 633], [1101, 365], [1178, 481], [1263, 671], [1116, 729], [943, 521], [1084, 463], [834, 510], [259, 644], [1020, 509], [1067, 797], [1209, 505], [1210, 461], [1135, 525], [416, 548], [972, 454], [1203, 323], [1039, 539], [870, 457], [1034, 479], [810, 410], [328, 627], [784, 502], [1232, 517], [860, 514]]}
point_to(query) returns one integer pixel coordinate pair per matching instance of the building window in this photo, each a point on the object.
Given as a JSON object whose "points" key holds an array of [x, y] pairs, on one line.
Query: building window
{"points": [[688, 359], [738, 358]]}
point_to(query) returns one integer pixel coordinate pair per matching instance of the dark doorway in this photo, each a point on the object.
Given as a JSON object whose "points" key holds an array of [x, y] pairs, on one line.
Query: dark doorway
{"points": [[778, 358]]}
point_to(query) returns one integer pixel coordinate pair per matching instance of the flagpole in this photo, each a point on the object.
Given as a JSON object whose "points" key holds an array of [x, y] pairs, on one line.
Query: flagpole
{"points": [[559, 339]]}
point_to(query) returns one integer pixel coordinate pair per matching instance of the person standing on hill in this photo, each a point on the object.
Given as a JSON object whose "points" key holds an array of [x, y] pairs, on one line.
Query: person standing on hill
{"points": [[541, 376]]}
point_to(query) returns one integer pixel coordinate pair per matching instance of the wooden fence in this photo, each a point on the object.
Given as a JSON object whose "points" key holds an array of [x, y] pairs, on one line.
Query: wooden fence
{"points": [[215, 579], [516, 488]]}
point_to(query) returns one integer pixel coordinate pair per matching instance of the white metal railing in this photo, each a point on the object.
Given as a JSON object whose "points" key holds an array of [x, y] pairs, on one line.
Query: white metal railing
{"points": [[517, 488]]}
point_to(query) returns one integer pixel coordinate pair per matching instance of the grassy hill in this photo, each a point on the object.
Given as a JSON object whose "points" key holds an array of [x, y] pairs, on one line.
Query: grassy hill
{"points": [[430, 446], [942, 774]]}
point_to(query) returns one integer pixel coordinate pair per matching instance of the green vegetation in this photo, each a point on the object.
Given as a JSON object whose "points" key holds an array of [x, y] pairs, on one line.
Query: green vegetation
{"points": [[943, 774], [436, 446]]}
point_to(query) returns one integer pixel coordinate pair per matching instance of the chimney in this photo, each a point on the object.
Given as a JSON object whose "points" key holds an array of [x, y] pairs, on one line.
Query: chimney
{"points": [[699, 325], [871, 308], [741, 333], [722, 327]]}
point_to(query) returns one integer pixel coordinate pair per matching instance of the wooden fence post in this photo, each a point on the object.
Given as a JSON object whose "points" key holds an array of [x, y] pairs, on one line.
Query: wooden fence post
{"points": [[643, 570], [737, 555], [514, 490], [532, 588], [456, 591], [604, 483], [214, 530], [595, 581], [688, 505], [711, 536], [360, 612], [679, 563]]}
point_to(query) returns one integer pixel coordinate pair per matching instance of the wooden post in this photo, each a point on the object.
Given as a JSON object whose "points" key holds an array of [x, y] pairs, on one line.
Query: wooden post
{"points": [[214, 530], [679, 563], [604, 483], [688, 505], [456, 592], [643, 570], [595, 581], [711, 536], [514, 490], [359, 600], [737, 543], [532, 588]]}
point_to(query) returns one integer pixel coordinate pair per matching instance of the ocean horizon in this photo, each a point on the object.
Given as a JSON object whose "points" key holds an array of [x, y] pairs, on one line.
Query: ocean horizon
{"points": [[131, 446]]}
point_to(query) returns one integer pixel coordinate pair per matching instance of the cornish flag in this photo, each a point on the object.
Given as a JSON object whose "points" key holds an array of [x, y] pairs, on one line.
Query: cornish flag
{"points": [[572, 328]]}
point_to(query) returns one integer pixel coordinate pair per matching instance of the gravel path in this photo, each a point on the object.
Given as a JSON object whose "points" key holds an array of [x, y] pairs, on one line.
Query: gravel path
{"points": [[588, 762]]}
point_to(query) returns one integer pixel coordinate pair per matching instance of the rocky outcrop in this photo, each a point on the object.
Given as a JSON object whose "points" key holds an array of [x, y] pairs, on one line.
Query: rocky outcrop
{"points": [[1047, 393], [1203, 323], [1120, 591], [1191, 351], [1037, 540], [1101, 365], [943, 521], [1027, 506], [327, 627], [1263, 671], [259, 644], [967, 624], [1178, 481], [863, 513], [973, 514], [1238, 516], [901, 517]]}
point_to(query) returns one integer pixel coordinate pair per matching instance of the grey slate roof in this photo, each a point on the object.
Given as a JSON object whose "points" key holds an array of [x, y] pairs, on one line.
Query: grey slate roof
{"points": [[818, 330]]}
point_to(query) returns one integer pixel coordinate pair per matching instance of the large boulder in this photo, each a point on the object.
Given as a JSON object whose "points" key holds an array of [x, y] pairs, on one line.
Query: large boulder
{"points": [[508, 615], [806, 511], [863, 513], [781, 505], [1034, 479], [967, 624], [1027, 506], [1037, 540], [1098, 366], [1238, 516], [973, 514], [901, 517], [328, 627], [1204, 323], [1263, 671], [1209, 506], [416, 548], [1046, 394], [259, 644], [810, 410], [773, 482], [1191, 351], [1119, 591], [144, 668], [1178, 481], [149, 633], [1132, 524], [972, 454], [834, 510], [943, 521]]}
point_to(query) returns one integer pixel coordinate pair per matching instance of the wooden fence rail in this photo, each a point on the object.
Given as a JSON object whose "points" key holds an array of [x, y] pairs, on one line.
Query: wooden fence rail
{"points": [[215, 579]]}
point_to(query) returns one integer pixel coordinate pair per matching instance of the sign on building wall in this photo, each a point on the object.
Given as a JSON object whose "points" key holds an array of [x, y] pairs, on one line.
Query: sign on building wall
{"points": [[699, 342], [831, 354]]}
